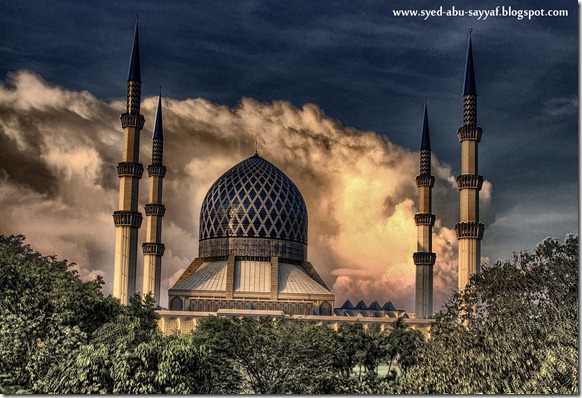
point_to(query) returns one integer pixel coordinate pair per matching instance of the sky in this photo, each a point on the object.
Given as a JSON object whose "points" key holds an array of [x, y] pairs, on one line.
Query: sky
{"points": [[333, 93]]}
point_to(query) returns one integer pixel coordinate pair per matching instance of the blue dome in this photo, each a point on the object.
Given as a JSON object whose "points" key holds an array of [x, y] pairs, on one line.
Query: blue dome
{"points": [[254, 199]]}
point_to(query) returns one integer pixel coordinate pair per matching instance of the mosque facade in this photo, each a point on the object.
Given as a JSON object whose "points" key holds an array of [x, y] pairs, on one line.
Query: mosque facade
{"points": [[253, 254]]}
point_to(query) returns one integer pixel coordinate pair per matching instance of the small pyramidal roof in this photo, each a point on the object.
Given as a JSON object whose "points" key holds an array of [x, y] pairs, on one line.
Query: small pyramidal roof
{"points": [[470, 86], [159, 127], [388, 306], [375, 306], [425, 141], [347, 305], [134, 65], [361, 305]]}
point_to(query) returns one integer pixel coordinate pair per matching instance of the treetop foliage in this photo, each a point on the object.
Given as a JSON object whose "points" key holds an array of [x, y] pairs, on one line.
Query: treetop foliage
{"points": [[514, 329]]}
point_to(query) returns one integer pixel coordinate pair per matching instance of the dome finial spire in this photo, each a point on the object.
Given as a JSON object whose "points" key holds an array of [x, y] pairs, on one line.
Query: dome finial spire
{"points": [[256, 149]]}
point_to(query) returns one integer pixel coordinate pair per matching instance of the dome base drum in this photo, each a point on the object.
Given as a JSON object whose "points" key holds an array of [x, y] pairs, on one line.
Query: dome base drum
{"points": [[253, 247]]}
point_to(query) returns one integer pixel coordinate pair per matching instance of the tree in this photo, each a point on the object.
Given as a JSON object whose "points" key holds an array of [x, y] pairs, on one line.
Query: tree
{"points": [[514, 329], [352, 342], [130, 356], [46, 310], [362, 350], [275, 356], [402, 346], [61, 335]]}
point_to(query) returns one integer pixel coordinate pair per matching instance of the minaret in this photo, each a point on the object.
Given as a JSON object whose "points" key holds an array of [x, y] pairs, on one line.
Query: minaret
{"points": [[424, 258], [153, 249], [127, 219], [469, 229]]}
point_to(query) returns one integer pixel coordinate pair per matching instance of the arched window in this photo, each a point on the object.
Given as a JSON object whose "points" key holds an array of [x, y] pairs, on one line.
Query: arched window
{"points": [[176, 304], [171, 326], [325, 308]]}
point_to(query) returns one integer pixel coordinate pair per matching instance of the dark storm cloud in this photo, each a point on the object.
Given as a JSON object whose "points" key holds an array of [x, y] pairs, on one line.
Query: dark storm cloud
{"points": [[29, 113], [24, 166]]}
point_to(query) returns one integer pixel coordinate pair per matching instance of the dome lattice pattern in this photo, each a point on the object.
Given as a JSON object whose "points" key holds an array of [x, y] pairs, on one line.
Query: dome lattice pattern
{"points": [[254, 199]]}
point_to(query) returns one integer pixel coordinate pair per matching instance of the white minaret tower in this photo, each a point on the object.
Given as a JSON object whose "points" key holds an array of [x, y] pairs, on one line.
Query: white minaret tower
{"points": [[424, 258], [127, 219], [153, 249], [469, 229]]}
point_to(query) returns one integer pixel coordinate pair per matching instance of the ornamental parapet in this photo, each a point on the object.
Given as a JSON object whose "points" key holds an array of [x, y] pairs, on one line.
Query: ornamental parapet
{"points": [[157, 170], [128, 120], [469, 230], [472, 181], [469, 132], [127, 218], [424, 219], [129, 169], [154, 209], [153, 248], [424, 258], [424, 180]]}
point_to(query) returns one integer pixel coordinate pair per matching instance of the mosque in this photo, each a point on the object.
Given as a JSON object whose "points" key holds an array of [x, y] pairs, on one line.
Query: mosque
{"points": [[253, 248], [253, 257]]}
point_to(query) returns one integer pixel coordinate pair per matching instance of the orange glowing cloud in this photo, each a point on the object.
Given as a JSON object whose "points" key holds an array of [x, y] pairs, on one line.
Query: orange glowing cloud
{"points": [[358, 186]]}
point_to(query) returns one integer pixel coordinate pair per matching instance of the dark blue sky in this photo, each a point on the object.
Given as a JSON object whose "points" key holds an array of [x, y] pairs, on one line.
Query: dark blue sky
{"points": [[359, 63]]}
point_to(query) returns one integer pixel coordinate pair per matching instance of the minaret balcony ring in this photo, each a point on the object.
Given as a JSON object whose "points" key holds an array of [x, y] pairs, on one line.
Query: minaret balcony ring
{"points": [[469, 230], [128, 120], [153, 209], [424, 219], [424, 180], [127, 218], [424, 258], [471, 181], [469, 132], [157, 170], [129, 169], [152, 248]]}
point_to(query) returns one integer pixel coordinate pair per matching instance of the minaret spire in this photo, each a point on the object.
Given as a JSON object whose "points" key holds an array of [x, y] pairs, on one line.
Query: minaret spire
{"points": [[153, 249], [425, 141], [159, 126], [469, 229], [470, 88], [128, 219], [424, 258], [134, 62]]}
